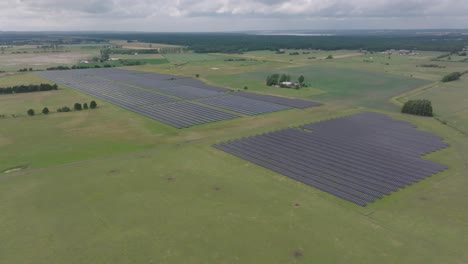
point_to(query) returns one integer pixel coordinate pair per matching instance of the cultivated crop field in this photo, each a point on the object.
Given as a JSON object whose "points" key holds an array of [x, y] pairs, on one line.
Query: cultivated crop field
{"points": [[30, 56], [112, 186]]}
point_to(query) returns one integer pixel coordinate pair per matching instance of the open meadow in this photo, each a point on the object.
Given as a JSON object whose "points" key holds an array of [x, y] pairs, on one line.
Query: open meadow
{"points": [[107, 185]]}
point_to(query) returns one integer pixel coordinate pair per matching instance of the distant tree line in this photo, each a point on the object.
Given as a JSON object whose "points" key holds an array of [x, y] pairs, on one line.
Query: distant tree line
{"points": [[239, 59], [28, 88], [418, 107], [431, 66], [238, 43], [133, 51]]}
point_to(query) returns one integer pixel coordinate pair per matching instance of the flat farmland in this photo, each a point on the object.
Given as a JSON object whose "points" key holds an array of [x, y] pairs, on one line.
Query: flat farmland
{"points": [[141, 45], [112, 186], [449, 100], [13, 62], [333, 84], [213, 195]]}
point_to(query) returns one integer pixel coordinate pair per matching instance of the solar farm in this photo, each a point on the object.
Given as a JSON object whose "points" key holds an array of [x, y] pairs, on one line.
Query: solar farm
{"points": [[174, 100], [359, 158], [173, 169]]}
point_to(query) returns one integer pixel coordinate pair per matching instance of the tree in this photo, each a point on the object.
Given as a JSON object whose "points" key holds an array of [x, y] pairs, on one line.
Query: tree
{"points": [[45, 111], [284, 78], [246, 88], [85, 106], [66, 109], [301, 79], [197, 75], [272, 80], [451, 77], [105, 54], [31, 112], [77, 106], [418, 107], [93, 104]]}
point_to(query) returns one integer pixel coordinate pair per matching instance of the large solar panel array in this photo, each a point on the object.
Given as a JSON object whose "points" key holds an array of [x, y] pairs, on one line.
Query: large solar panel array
{"points": [[149, 80], [145, 92], [170, 110], [184, 114], [359, 158], [243, 105]]}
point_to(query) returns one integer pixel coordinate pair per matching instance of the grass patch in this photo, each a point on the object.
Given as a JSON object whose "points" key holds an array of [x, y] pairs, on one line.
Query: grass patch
{"points": [[187, 57]]}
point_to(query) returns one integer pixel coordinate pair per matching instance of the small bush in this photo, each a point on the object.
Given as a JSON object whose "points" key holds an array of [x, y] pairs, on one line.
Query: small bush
{"points": [[59, 110], [45, 111], [93, 104], [418, 107], [85, 106], [31, 112], [77, 107], [246, 88]]}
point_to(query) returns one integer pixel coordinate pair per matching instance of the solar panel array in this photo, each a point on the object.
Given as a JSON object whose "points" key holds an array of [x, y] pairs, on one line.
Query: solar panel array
{"points": [[184, 114], [189, 92], [296, 103], [170, 110], [145, 92], [359, 158], [243, 105]]}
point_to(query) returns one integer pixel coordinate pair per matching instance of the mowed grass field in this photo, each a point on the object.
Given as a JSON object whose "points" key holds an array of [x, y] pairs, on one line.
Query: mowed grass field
{"points": [[450, 100], [111, 186], [333, 84], [188, 57]]}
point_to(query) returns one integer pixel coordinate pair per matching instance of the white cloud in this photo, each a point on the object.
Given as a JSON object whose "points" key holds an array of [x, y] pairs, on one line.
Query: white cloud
{"points": [[167, 15]]}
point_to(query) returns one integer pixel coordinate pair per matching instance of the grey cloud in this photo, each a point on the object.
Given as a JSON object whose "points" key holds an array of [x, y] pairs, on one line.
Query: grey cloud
{"points": [[228, 14]]}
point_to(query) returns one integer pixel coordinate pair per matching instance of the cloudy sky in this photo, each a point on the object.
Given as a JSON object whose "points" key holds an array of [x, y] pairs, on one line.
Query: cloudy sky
{"points": [[230, 15]]}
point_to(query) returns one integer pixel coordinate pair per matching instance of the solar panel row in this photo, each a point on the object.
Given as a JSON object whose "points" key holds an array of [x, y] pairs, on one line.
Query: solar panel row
{"points": [[243, 105], [359, 158], [296, 103]]}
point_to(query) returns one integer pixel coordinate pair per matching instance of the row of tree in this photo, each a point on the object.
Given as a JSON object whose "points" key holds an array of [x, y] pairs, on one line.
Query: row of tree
{"points": [[418, 107], [28, 88], [76, 106], [278, 79]]}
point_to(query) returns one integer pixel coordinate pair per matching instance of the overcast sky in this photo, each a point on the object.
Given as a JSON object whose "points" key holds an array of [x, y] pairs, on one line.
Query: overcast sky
{"points": [[230, 15]]}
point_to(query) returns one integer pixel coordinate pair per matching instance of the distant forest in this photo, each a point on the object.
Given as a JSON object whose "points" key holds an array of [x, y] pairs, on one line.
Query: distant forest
{"points": [[238, 42]]}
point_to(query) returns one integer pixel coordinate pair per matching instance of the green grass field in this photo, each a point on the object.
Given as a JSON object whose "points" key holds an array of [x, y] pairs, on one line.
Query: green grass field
{"points": [[111, 186], [188, 57], [331, 84], [450, 101]]}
